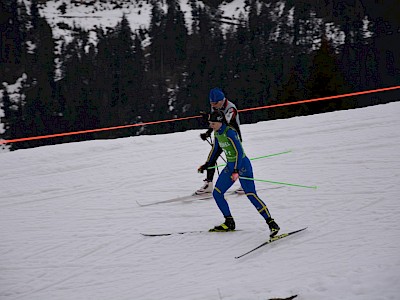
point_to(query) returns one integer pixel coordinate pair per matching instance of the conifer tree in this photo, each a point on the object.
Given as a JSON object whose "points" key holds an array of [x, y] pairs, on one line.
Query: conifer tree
{"points": [[156, 39], [175, 36], [139, 85], [78, 102], [12, 120], [35, 16], [123, 82], [103, 78], [41, 111], [7, 119], [325, 78], [353, 52], [205, 63], [12, 40]]}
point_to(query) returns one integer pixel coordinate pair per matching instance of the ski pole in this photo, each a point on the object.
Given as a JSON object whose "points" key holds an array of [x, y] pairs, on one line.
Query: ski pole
{"points": [[210, 142], [277, 182], [260, 157], [219, 156]]}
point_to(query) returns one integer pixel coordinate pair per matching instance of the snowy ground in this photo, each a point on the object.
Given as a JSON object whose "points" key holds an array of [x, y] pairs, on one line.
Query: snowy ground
{"points": [[70, 225]]}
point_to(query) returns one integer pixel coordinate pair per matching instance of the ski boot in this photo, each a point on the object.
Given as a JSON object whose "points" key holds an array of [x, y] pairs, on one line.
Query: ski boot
{"points": [[206, 188], [273, 227], [228, 225]]}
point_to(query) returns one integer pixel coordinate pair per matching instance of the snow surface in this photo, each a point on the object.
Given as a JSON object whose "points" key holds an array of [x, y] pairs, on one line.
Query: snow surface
{"points": [[70, 224]]}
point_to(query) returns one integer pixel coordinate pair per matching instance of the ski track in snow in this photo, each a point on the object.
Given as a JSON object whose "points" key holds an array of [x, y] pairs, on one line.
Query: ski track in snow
{"points": [[70, 224]]}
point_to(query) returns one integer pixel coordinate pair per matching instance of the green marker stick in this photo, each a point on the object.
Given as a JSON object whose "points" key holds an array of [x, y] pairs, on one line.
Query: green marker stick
{"points": [[277, 182], [260, 157]]}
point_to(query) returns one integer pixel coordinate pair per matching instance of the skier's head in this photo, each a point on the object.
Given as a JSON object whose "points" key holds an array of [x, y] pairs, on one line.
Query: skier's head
{"points": [[216, 119], [216, 95], [217, 116]]}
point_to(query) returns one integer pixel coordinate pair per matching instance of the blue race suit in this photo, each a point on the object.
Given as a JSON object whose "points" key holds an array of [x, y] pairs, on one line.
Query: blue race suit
{"points": [[243, 165]]}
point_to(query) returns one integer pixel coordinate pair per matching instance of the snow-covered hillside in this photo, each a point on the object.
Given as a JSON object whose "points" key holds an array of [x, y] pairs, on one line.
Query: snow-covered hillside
{"points": [[93, 14], [90, 15], [70, 223]]}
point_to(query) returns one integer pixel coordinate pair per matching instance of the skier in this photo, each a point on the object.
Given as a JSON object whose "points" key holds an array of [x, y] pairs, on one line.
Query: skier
{"points": [[238, 165], [218, 102]]}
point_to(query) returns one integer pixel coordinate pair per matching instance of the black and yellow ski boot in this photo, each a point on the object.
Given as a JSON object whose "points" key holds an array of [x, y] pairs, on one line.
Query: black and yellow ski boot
{"points": [[228, 225], [273, 227]]}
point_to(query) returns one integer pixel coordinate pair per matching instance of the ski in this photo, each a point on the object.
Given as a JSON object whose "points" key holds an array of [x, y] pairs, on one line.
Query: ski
{"points": [[271, 240], [178, 199], [194, 197], [170, 233], [185, 232], [241, 192], [186, 198]]}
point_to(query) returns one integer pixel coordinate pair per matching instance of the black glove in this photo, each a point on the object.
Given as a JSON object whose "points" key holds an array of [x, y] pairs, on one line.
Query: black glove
{"points": [[205, 135], [204, 115], [202, 168]]}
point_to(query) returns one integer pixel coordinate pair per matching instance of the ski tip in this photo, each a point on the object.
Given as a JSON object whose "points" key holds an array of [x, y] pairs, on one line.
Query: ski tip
{"points": [[140, 204], [271, 240], [157, 234], [298, 230]]}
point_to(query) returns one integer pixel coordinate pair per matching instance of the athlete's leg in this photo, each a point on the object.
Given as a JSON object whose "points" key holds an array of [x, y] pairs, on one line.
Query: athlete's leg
{"points": [[224, 182], [250, 189]]}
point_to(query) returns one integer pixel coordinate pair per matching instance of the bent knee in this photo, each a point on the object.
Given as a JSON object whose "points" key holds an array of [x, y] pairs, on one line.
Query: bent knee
{"points": [[216, 192]]}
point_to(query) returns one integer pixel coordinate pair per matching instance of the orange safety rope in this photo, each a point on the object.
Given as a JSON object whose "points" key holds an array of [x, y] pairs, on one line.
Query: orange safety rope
{"points": [[91, 130], [324, 98], [194, 117]]}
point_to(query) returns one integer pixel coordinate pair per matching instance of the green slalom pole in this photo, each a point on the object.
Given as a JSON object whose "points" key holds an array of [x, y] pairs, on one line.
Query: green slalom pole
{"points": [[276, 182], [260, 157]]}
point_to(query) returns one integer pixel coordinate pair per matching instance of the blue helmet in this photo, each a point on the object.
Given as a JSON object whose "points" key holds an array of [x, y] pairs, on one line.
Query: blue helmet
{"points": [[216, 95]]}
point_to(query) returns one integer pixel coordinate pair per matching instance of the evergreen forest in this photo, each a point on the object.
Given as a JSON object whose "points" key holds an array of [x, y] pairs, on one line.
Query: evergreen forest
{"points": [[282, 51]]}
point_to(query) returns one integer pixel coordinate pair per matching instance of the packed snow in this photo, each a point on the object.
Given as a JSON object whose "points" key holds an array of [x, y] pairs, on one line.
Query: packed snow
{"points": [[70, 222]]}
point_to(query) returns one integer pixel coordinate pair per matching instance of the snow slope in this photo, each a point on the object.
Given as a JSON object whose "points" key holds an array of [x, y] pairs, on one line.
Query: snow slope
{"points": [[70, 224]]}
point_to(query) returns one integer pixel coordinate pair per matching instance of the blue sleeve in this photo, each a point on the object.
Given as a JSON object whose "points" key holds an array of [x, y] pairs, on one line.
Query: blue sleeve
{"points": [[233, 136], [213, 151]]}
